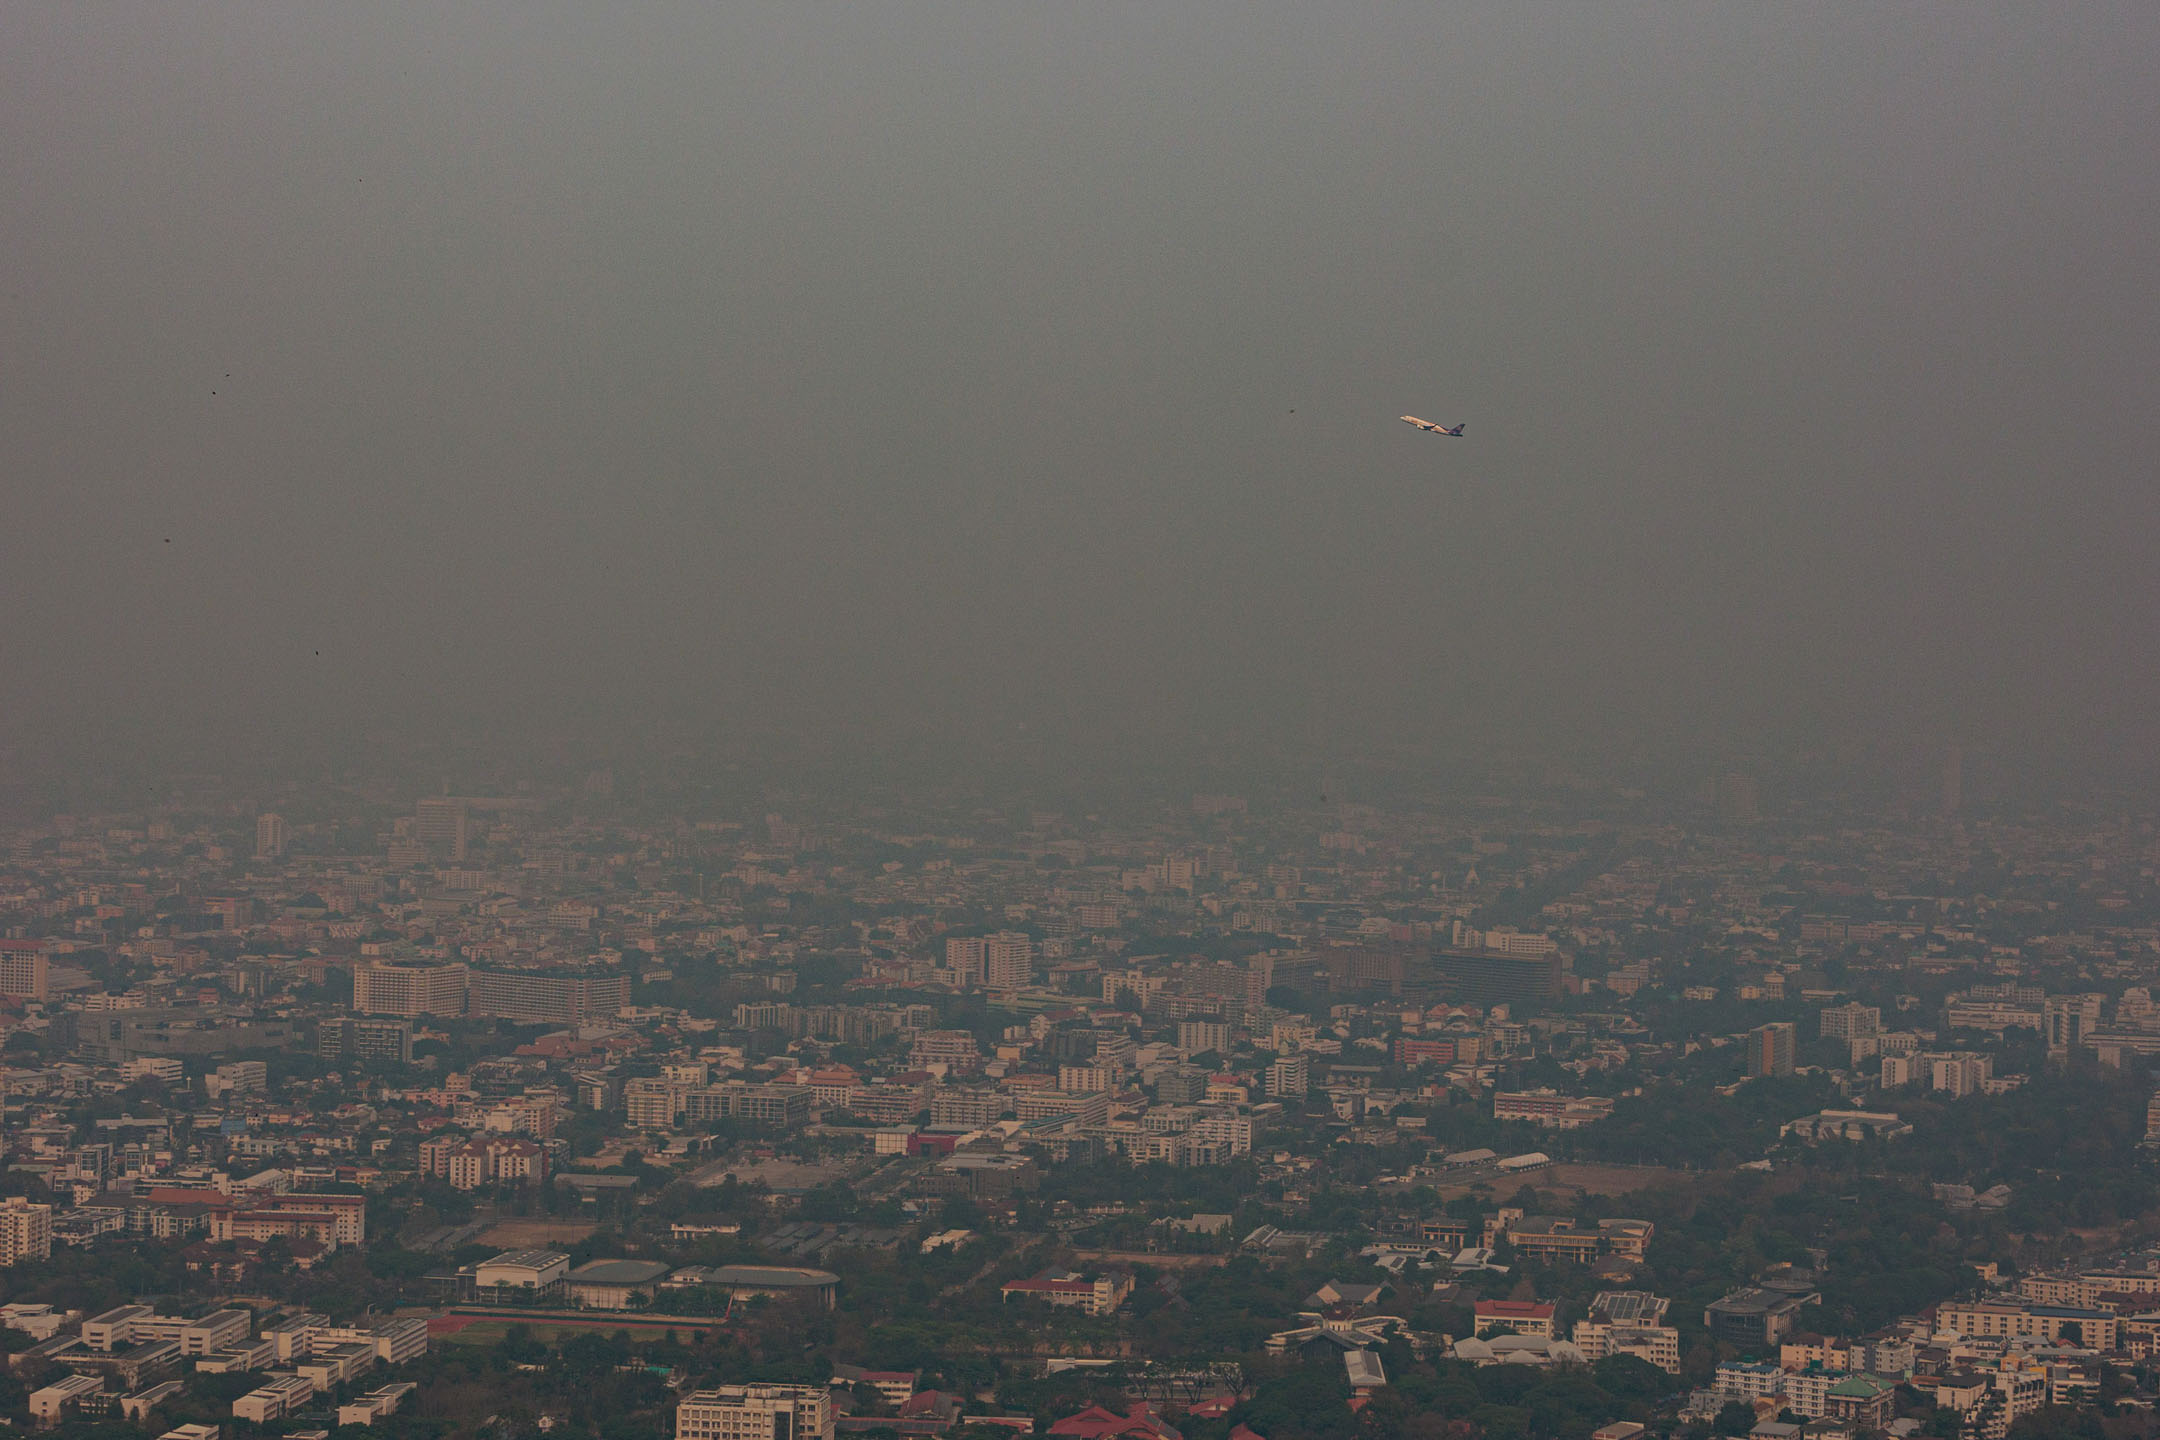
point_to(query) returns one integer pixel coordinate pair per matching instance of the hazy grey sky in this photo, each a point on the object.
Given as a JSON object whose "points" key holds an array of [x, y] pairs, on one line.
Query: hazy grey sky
{"points": [[969, 366]]}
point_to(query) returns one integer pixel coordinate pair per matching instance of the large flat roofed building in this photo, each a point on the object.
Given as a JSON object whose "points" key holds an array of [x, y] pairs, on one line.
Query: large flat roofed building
{"points": [[386, 988], [1848, 1125], [1490, 977], [538, 1272], [756, 1412], [1753, 1318], [49, 1404], [546, 996], [117, 1036], [780, 1281], [1629, 1322], [2054, 1324], [610, 1284], [334, 1219], [785, 1106]]}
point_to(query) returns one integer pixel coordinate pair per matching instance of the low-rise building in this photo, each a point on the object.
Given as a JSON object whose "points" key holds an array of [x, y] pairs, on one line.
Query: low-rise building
{"points": [[1629, 1322], [1753, 1318], [49, 1405], [377, 1403], [534, 1272], [756, 1412], [2056, 1324], [276, 1398], [1847, 1125], [612, 1284], [1517, 1317], [1099, 1295]]}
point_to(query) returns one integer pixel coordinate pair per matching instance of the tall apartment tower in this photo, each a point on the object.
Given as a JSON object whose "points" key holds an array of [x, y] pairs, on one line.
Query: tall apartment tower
{"points": [[1953, 781], [964, 957], [1770, 1048], [1197, 1037], [1289, 1076], [1008, 960], [440, 822], [25, 973], [25, 1230], [2068, 1021], [382, 988], [269, 836], [1849, 1022]]}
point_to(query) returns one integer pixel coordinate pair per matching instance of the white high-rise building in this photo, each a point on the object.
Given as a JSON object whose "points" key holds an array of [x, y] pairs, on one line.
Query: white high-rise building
{"points": [[409, 990], [25, 973], [440, 821], [25, 1230], [964, 957], [269, 836], [1291, 1075], [1008, 960], [1196, 1037]]}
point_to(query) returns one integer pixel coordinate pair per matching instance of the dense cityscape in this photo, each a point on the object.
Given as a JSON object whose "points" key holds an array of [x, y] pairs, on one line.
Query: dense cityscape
{"points": [[602, 1106], [1227, 720]]}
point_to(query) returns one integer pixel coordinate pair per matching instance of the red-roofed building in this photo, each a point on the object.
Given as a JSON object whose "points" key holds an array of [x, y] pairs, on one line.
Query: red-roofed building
{"points": [[1098, 1423], [1099, 1296], [346, 1214], [1523, 1317]]}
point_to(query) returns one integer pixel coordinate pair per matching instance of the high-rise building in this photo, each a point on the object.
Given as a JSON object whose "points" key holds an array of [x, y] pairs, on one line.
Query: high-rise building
{"points": [[383, 988], [25, 973], [1085, 1079], [756, 1412], [25, 1230], [1289, 1076], [1197, 1037], [1008, 960], [440, 823], [1953, 781], [1851, 1022], [1487, 977], [269, 836], [359, 1038], [1770, 1048], [964, 957], [556, 997], [2069, 1021]]}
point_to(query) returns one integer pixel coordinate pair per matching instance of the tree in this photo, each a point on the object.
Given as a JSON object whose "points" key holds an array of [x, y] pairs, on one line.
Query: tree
{"points": [[1630, 1377], [1734, 1417]]}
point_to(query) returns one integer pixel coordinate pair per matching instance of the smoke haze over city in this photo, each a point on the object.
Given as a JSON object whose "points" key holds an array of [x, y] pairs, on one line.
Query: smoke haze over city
{"points": [[940, 373]]}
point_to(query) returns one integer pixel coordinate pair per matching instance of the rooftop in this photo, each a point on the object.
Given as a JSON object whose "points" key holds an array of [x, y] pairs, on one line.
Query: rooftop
{"points": [[617, 1272]]}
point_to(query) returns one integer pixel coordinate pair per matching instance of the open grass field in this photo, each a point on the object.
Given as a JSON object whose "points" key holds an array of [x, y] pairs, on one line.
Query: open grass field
{"points": [[536, 1234], [1573, 1181], [488, 1332]]}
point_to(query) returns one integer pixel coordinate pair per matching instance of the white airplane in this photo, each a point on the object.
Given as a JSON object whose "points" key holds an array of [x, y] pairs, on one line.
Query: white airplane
{"points": [[1431, 429]]}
